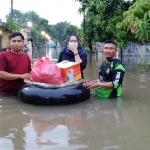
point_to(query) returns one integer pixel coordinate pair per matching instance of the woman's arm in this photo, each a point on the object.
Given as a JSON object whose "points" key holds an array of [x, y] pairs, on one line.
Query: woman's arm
{"points": [[84, 61], [77, 58]]}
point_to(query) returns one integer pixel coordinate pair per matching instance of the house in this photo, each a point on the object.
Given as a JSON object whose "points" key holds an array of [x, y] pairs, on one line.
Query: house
{"points": [[4, 33]]}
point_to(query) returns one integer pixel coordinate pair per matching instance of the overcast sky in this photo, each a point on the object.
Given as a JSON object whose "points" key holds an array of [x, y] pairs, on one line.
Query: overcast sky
{"points": [[53, 10]]}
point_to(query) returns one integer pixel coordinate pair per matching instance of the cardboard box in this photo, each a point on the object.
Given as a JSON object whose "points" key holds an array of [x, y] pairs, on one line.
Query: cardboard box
{"points": [[70, 70]]}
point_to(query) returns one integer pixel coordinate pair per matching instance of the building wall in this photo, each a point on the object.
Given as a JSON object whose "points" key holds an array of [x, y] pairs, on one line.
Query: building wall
{"points": [[136, 54], [4, 39], [25, 34], [133, 55], [29, 45]]}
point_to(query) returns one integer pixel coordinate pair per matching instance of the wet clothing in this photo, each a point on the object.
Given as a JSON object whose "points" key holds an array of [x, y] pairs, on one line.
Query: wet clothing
{"points": [[112, 71], [66, 54], [15, 64]]}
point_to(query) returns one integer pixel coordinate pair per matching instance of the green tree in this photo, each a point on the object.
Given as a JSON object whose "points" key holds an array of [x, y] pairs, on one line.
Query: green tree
{"points": [[60, 27], [57, 32], [136, 21], [103, 16], [70, 29], [11, 25], [80, 35]]}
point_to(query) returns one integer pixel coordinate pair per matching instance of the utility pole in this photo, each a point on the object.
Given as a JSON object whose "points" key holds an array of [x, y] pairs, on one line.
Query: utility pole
{"points": [[84, 29], [12, 15]]}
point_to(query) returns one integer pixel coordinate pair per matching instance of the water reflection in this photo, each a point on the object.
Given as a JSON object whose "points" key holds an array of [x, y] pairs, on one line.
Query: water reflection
{"points": [[11, 125], [107, 107], [46, 52], [33, 127], [52, 53], [54, 127], [92, 125]]}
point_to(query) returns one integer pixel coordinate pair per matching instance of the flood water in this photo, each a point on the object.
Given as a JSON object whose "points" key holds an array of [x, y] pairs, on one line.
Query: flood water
{"points": [[95, 124]]}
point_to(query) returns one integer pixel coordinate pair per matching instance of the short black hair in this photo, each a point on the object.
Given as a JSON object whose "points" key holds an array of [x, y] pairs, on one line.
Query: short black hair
{"points": [[14, 34], [73, 35], [110, 42]]}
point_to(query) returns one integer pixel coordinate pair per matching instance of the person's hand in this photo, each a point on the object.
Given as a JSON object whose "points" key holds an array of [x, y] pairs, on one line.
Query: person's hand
{"points": [[73, 48], [90, 84], [25, 76], [88, 80]]}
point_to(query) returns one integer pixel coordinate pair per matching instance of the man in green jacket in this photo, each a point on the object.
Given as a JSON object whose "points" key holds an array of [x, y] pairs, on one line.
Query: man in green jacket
{"points": [[111, 73]]}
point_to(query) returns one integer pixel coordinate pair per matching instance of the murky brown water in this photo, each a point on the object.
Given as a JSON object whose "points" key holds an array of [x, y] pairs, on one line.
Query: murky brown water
{"points": [[122, 124]]}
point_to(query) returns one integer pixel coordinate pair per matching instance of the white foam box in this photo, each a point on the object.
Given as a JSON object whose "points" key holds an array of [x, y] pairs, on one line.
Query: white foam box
{"points": [[70, 70]]}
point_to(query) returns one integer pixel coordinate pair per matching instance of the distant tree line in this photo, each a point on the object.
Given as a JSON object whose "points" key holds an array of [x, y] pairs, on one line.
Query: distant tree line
{"points": [[121, 20], [58, 32]]}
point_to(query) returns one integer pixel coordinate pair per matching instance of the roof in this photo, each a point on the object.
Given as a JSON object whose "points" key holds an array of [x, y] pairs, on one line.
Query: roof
{"points": [[2, 27]]}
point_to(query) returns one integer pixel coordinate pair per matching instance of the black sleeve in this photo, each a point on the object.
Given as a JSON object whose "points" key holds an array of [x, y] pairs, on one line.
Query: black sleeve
{"points": [[60, 57], [117, 76], [84, 61]]}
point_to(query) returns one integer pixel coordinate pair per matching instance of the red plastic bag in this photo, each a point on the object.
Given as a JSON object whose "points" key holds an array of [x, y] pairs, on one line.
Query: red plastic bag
{"points": [[43, 70]]}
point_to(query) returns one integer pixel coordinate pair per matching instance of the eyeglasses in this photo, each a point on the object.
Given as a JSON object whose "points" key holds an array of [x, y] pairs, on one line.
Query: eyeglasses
{"points": [[73, 41]]}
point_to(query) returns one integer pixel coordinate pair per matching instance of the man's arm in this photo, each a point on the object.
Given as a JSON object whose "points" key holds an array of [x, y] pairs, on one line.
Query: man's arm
{"points": [[118, 75], [117, 78], [93, 84], [9, 76], [107, 85]]}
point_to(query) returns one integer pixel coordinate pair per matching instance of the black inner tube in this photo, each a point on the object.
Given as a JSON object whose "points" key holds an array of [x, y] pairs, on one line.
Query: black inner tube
{"points": [[38, 95]]}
